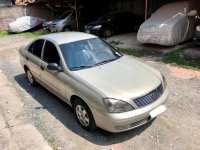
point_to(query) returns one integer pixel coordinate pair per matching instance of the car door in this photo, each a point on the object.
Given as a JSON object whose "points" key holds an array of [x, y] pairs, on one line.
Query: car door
{"points": [[128, 22], [121, 22], [53, 79], [115, 23], [34, 57]]}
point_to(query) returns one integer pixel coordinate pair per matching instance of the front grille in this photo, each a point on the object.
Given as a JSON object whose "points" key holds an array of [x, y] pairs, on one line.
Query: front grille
{"points": [[150, 97]]}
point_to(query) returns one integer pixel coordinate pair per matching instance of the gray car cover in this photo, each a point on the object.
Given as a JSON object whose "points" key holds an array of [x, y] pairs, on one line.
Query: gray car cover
{"points": [[168, 26], [24, 23]]}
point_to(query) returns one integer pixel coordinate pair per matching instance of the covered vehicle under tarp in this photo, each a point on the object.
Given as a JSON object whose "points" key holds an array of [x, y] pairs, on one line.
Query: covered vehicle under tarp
{"points": [[168, 26], [24, 23]]}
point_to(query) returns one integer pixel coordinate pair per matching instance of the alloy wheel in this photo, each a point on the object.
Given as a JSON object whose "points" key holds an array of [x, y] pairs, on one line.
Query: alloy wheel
{"points": [[82, 115], [30, 77]]}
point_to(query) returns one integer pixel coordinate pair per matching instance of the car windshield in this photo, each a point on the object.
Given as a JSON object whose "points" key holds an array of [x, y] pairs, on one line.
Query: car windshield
{"points": [[64, 15], [107, 17], [88, 53]]}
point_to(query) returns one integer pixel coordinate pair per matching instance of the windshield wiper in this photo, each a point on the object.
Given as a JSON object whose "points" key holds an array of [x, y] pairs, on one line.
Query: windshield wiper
{"points": [[80, 67], [105, 62]]}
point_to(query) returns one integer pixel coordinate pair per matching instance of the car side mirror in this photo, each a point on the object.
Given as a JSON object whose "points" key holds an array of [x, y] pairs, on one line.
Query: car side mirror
{"points": [[53, 66]]}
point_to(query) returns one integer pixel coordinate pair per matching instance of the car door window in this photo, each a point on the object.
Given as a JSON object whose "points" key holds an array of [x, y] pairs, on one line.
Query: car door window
{"points": [[50, 54], [73, 16], [36, 48]]}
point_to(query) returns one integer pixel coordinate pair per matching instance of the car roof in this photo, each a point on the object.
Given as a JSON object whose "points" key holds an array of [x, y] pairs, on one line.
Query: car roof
{"points": [[67, 37]]}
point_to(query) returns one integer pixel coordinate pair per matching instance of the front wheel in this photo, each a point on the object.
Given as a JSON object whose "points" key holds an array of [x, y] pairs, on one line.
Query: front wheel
{"points": [[84, 115]]}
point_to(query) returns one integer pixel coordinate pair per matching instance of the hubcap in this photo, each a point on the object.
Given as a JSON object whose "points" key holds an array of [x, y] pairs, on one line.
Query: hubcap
{"points": [[82, 115], [108, 33], [30, 77]]}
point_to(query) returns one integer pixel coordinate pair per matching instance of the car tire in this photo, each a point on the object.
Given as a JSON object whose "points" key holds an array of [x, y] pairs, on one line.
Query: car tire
{"points": [[136, 28], [66, 29], [84, 115], [107, 32], [30, 77]]}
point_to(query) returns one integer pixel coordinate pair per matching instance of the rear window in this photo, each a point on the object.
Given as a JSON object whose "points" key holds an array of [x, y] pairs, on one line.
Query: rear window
{"points": [[36, 48]]}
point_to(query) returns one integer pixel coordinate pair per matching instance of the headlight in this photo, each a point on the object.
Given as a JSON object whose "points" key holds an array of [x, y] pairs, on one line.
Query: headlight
{"points": [[198, 28], [47, 23], [164, 82], [97, 27], [116, 106]]}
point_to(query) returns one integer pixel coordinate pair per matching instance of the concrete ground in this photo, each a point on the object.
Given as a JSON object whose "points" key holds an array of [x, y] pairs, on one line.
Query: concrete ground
{"points": [[14, 133], [33, 116]]}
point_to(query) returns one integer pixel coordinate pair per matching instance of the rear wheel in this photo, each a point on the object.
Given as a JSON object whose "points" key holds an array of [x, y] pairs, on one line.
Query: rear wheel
{"points": [[30, 77], [107, 32], [66, 29], [84, 115]]}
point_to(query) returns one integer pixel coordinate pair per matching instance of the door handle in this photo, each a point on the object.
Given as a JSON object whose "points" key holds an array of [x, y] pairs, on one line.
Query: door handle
{"points": [[42, 68], [27, 58]]}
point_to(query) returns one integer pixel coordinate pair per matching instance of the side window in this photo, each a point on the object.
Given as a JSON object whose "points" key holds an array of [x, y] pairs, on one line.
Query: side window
{"points": [[50, 54], [73, 16], [36, 48], [121, 17]]}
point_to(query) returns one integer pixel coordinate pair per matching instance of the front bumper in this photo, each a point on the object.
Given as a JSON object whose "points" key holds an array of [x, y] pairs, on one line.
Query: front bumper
{"points": [[92, 31], [119, 122], [56, 28]]}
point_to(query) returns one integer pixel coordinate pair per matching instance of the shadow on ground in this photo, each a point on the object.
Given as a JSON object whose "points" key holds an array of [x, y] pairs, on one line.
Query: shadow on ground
{"points": [[62, 112]]}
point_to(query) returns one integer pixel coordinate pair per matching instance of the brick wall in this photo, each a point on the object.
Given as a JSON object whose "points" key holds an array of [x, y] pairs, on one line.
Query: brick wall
{"points": [[11, 12]]}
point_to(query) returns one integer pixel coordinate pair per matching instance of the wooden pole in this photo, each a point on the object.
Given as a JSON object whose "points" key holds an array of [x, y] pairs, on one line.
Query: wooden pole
{"points": [[146, 9], [76, 11], [122, 5]]}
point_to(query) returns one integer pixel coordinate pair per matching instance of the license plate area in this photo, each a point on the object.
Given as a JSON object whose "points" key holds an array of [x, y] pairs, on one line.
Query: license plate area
{"points": [[157, 111]]}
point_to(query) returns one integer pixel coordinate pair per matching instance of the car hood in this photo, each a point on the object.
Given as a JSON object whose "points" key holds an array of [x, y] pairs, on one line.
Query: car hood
{"points": [[125, 78], [94, 23]]}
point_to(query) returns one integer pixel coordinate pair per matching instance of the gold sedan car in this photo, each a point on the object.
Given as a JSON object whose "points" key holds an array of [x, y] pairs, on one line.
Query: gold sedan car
{"points": [[105, 88]]}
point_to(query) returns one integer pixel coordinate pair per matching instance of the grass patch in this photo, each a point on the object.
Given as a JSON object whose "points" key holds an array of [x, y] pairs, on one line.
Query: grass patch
{"points": [[177, 59], [3, 34], [24, 34], [129, 51]]}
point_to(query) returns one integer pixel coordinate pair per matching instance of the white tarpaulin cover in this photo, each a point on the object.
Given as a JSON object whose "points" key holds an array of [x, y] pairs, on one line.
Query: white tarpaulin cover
{"points": [[24, 23], [168, 26]]}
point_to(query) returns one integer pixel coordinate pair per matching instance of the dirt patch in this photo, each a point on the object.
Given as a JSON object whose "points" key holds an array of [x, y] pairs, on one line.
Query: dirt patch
{"points": [[183, 73], [14, 134]]}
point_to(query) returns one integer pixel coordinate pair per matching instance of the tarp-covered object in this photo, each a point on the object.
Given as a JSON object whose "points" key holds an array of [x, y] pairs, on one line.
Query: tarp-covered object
{"points": [[17, 2], [168, 26], [24, 23]]}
